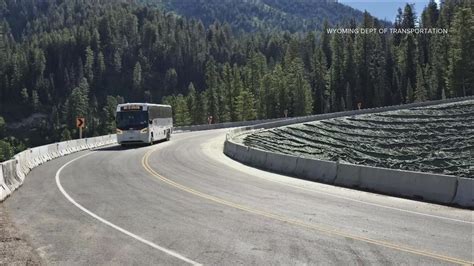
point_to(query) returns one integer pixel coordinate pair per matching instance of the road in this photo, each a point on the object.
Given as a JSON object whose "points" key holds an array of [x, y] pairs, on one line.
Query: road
{"points": [[184, 202]]}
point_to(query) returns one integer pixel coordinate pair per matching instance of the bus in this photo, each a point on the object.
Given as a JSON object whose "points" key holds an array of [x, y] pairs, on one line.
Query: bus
{"points": [[143, 123]]}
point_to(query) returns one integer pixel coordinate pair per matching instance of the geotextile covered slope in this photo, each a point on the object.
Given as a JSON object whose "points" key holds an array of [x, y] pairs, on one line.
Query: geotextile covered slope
{"points": [[435, 139]]}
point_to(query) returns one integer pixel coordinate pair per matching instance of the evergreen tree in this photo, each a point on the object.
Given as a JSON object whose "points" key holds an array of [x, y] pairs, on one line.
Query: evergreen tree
{"points": [[212, 81], [421, 90], [460, 78], [137, 77], [192, 102], [182, 116], [409, 95], [248, 105], [89, 65], [300, 90], [336, 71], [319, 75], [65, 135]]}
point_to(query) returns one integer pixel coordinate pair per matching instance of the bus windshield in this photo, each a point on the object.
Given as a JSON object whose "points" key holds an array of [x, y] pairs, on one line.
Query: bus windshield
{"points": [[132, 120]]}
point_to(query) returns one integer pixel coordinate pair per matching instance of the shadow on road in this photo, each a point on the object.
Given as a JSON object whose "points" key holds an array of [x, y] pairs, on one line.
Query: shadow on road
{"points": [[128, 146]]}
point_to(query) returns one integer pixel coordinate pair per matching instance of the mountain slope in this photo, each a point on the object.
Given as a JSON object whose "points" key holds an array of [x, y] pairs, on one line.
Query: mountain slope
{"points": [[266, 15]]}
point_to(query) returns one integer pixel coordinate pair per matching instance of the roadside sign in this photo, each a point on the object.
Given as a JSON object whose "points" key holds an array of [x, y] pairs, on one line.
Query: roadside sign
{"points": [[80, 122]]}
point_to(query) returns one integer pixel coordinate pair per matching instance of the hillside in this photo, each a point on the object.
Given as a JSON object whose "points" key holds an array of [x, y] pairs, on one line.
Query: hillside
{"points": [[436, 139], [60, 59], [265, 15]]}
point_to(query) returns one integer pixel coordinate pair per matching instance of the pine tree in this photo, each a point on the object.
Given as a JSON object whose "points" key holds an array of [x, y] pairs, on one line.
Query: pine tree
{"points": [[325, 45], [248, 105], [78, 103], [35, 102], [2, 127], [336, 70], [319, 75], [171, 81], [117, 61], [409, 95], [284, 100], [300, 90], [108, 112], [212, 81], [460, 78], [407, 50], [137, 77], [237, 112], [202, 108], [100, 66], [421, 90], [66, 135], [182, 117], [89, 64], [192, 103]]}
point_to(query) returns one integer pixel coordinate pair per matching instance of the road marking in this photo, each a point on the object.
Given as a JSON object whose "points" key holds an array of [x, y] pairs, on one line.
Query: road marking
{"points": [[356, 200], [120, 229], [325, 230], [337, 196]]}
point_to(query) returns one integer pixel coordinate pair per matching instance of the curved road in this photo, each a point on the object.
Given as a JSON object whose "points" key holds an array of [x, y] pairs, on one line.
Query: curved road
{"points": [[185, 202]]}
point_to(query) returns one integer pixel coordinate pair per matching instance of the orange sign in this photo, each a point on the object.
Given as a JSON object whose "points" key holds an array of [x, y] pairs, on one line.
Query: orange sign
{"points": [[80, 122]]}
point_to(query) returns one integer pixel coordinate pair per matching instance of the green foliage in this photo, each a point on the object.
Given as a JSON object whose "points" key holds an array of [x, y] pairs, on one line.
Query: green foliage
{"points": [[66, 59], [6, 151], [2, 127], [137, 77], [421, 93], [66, 135], [182, 117], [460, 77], [265, 15]]}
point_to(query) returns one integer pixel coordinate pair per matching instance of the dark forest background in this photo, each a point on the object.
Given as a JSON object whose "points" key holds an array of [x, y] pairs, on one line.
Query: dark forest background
{"points": [[232, 60]]}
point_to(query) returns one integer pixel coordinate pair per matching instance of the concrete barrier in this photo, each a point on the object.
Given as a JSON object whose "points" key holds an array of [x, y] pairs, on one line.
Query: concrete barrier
{"points": [[258, 157], [10, 176], [464, 193], [13, 172], [281, 163], [436, 188], [4, 189], [316, 170], [230, 148], [417, 185], [348, 175], [242, 153]]}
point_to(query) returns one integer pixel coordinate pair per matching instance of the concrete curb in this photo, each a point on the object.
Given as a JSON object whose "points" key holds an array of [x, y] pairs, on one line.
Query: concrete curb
{"points": [[436, 188]]}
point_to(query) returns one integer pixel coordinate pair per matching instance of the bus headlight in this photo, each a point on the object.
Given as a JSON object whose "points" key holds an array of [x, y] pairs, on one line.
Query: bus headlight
{"points": [[119, 131], [145, 130]]}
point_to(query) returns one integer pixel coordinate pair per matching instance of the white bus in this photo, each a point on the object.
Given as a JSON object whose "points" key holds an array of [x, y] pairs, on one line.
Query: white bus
{"points": [[143, 123]]}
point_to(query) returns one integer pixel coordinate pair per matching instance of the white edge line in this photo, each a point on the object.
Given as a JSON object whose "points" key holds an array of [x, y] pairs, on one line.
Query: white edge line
{"points": [[102, 220]]}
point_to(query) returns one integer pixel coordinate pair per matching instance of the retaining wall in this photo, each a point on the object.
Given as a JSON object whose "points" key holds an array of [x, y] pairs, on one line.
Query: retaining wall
{"points": [[435, 188], [13, 172]]}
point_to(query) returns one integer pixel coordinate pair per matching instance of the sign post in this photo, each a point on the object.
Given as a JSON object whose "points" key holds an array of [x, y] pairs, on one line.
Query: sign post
{"points": [[80, 123]]}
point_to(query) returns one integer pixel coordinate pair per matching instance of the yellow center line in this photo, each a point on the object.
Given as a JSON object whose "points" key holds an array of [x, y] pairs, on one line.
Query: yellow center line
{"points": [[325, 230]]}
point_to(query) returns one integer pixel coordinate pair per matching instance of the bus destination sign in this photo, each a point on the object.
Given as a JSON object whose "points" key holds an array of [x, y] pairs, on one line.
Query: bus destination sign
{"points": [[132, 108]]}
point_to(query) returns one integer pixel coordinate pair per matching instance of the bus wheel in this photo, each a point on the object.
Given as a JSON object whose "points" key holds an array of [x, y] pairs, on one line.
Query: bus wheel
{"points": [[168, 135]]}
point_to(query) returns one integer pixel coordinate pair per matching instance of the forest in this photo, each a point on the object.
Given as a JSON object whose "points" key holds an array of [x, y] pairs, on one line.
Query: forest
{"points": [[60, 59]]}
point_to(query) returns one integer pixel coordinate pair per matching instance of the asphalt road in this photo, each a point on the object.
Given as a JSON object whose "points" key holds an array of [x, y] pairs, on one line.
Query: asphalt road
{"points": [[184, 202]]}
